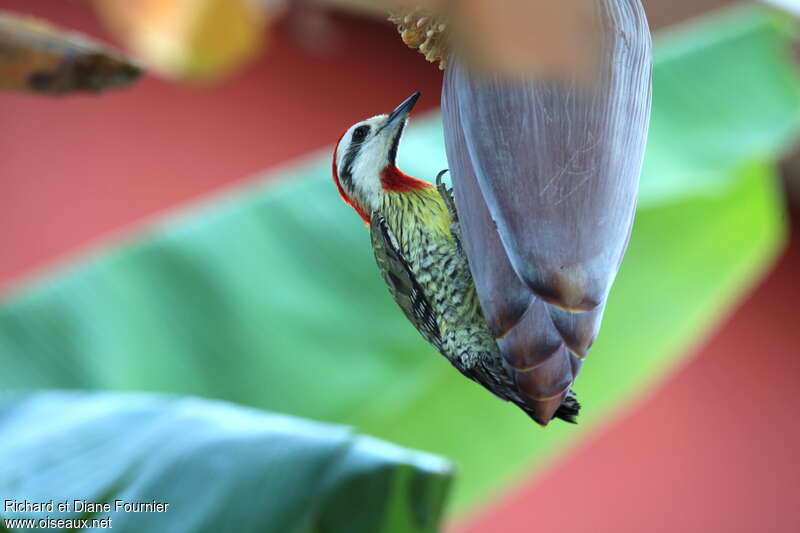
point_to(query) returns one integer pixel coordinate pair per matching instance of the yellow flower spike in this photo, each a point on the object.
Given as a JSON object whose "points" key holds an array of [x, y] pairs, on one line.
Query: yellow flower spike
{"points": [[420, 30]]}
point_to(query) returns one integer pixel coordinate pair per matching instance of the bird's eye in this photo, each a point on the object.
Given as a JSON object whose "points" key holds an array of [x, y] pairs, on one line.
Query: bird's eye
{"points": [[360, 133]]}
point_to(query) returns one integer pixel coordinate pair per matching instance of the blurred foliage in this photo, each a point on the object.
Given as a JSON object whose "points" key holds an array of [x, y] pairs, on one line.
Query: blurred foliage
{"points": [[219, 467], [270, 296], [700, 142]]}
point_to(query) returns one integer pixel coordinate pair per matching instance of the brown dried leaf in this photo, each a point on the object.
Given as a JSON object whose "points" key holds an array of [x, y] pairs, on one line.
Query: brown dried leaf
{"points": [[38, 57]]}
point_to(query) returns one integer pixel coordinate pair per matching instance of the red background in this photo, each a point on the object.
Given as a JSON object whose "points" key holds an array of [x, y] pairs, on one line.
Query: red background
{"points": [[713, 449]]}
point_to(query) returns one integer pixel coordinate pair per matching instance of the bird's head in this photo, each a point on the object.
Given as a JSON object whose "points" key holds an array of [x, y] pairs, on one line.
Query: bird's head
{"points": [[364, 160]]}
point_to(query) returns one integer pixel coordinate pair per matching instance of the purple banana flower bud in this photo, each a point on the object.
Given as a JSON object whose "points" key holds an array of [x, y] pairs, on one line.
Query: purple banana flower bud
{"points": [[545, 175]]}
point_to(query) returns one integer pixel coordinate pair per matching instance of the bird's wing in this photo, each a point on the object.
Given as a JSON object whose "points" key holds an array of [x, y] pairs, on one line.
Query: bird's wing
{"points": [[401, 281]]}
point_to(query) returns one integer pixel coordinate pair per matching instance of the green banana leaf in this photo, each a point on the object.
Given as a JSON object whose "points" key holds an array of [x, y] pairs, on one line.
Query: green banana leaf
{"points": [[217, 467], [268, 296]]}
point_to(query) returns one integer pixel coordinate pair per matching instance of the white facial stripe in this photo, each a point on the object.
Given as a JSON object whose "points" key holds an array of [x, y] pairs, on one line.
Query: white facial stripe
{"points": [[365, 182], [347, 139]]}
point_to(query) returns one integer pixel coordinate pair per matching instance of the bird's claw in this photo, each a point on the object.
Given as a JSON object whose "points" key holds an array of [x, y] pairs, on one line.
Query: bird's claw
{"points": [[439, 183], [447, 194]]}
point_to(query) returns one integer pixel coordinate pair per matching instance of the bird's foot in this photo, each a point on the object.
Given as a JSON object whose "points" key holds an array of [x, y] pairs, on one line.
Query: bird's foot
{"points": [[446, 194]]}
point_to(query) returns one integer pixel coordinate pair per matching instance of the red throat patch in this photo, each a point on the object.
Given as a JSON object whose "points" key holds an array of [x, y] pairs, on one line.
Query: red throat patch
{"points": [[395, 180], [392, 180]]}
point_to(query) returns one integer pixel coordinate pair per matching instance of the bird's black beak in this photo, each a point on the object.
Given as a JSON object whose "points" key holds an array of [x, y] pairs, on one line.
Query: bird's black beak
{"points": [[395, 124], [401, 112]]}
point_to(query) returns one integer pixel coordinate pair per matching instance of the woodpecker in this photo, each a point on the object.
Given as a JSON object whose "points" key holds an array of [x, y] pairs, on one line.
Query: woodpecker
{"points": [[415, 237]]}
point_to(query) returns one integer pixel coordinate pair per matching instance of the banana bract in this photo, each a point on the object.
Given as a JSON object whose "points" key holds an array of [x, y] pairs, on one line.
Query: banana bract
{"points": [[545, 174]]}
